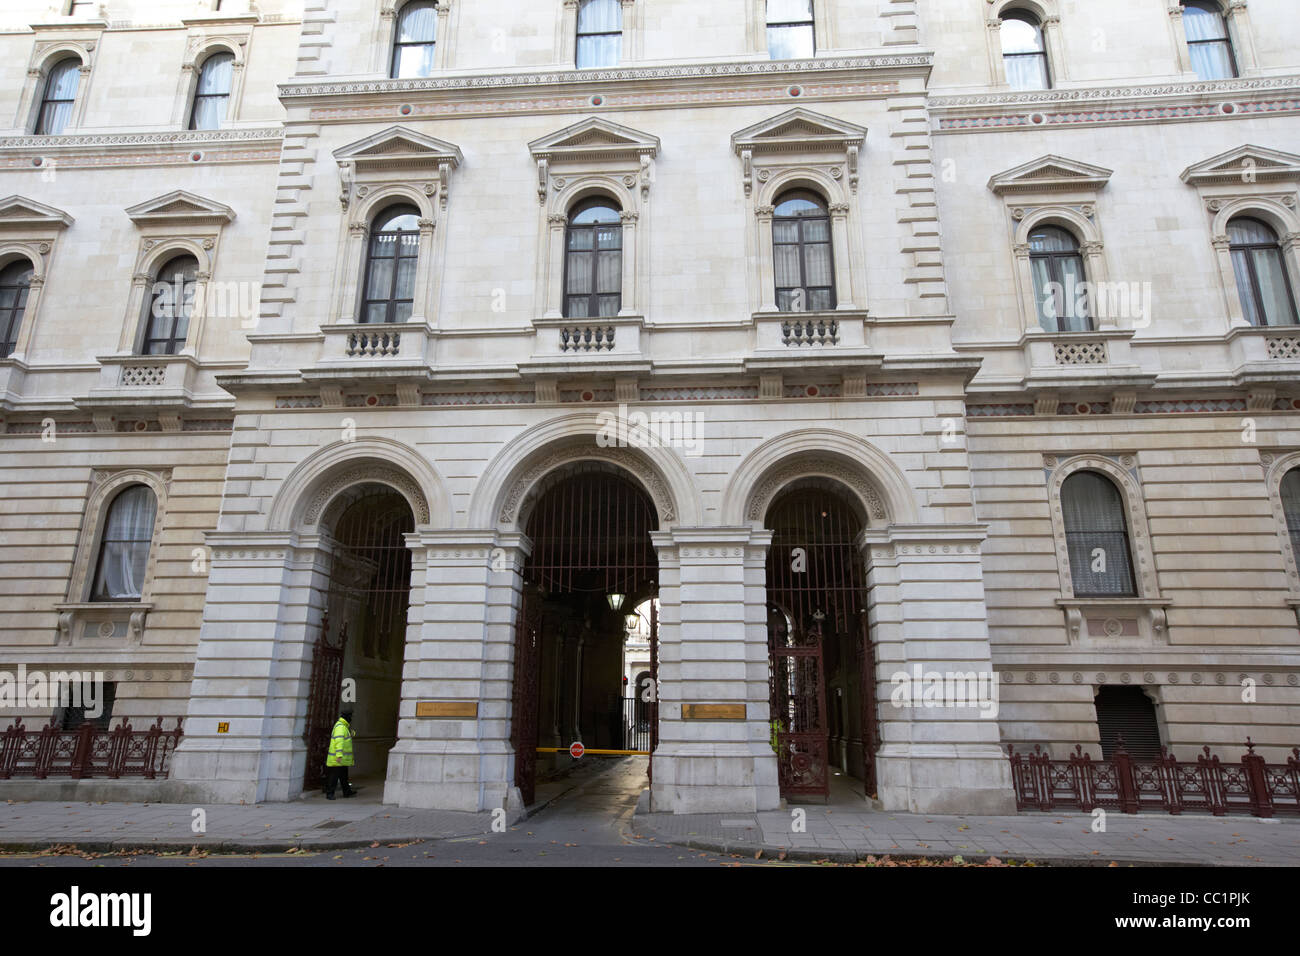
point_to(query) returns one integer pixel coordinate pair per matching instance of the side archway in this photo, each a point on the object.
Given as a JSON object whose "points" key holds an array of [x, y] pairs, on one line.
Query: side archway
{"points": [[308, 490], [869, 474]]}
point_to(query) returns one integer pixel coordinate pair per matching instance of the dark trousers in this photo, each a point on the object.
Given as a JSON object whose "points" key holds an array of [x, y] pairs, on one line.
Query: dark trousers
{"points": [[335, 776]]}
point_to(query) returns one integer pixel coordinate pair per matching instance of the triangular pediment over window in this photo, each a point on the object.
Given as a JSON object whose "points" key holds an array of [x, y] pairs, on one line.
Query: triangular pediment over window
{"points": [[595, 139], [20, 211], [1050, 174], [398, 147], [1249, 164], [180, 206], [798, 130]]}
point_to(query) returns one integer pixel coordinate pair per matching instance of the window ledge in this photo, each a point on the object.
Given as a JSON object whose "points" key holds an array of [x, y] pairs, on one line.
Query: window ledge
{"points": [[107, 624], [1115, 621]]}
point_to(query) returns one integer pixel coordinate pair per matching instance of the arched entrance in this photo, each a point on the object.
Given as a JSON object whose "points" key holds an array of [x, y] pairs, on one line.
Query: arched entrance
{"points": [[591, 567], [822, 673], [357, 658]]}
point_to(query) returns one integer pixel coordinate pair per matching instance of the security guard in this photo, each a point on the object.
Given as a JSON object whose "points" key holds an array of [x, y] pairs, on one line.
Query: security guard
{"points": [[340, 757]]}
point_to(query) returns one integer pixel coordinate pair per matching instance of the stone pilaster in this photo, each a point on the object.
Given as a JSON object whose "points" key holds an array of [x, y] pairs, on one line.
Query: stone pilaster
{"points": [[466, 589], [252, 670], [926, 609], [713, 651]]}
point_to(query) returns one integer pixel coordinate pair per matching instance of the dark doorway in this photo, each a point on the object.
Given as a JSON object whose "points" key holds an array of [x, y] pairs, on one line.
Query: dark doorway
{"points": [[592, 565], [363, 639], [822, 673], [1127, 713]]}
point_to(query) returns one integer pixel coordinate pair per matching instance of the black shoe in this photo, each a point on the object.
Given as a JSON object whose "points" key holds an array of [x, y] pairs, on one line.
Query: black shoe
{"points": [[329, 796], [347, 793]]}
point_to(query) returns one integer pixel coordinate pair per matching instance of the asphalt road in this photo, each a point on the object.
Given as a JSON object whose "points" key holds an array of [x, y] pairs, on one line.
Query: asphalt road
{"points": [[588, 826]]}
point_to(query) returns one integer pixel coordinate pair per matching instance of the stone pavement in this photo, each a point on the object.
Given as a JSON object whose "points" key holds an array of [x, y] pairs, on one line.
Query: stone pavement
{"points": [[844, 833], [312, 823]]}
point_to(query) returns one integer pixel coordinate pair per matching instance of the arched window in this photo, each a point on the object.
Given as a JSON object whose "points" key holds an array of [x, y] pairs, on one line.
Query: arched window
{"points": [[170, 307], [1058, 272], [1262, 280], [390, 265], [1208, 41], [1096, 536], [790, 29], [593, 261], [1024, 54], [212, 93], [60, 94], [124, 545], [15, 283], [1291, 508], [415, 40], [600, 33], [801, 253]]}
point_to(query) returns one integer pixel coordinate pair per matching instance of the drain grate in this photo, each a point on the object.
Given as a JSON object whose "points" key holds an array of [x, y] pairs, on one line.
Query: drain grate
{"points": [[332, 824]]}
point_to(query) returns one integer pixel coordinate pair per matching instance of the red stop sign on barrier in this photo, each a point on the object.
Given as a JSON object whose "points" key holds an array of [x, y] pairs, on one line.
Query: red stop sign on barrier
{"points": [[576, 750]]}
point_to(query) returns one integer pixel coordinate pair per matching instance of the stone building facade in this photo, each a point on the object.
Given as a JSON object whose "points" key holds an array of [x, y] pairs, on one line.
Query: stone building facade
{"points": [[833, 247]]}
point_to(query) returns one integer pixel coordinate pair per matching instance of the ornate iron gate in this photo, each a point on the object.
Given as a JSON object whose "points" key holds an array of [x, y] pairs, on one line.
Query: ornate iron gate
{"points": [[816, 591], [523, 726], [591, 538], [798, 700], [323, 700]]}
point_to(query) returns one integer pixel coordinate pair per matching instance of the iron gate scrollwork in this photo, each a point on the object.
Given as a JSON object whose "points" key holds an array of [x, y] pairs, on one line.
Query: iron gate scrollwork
{"points": [[818, 634], [523, 725], [323, 701], [798, 701]]}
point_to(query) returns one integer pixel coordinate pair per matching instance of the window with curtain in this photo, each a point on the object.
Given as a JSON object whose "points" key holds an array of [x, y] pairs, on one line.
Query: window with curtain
{"points": [[790, 29], [1096, 537], [593, 261], [1024, 52], [1291, 508], [801, 253], [124, 545], [212, 92], [415, 40], [60, 93], [1208, 41], [600, 33], [1057, 267], [1262, 280], [15, 283], [170, 307], [390, 266]]}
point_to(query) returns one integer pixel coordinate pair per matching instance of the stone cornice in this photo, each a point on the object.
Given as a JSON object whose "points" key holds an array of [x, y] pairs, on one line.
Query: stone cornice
{"points": [[55, 144], [626, 74], [1062, 97]]}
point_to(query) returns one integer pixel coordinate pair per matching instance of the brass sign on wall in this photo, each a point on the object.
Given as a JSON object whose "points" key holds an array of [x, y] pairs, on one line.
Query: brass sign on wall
{"points": [[713, 711], [446, 708]]}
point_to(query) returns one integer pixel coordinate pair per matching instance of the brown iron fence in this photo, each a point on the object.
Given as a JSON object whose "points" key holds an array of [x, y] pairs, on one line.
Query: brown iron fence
{"points": [[87, 751], [1127, 784]]}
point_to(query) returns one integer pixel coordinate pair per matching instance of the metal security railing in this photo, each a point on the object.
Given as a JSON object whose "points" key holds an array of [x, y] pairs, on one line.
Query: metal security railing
{"points": [[1127, 784], [87, 751]]}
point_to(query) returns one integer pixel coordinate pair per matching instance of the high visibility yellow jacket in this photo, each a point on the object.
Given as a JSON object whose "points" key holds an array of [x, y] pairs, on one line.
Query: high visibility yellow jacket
{"points": [[340, 752]]}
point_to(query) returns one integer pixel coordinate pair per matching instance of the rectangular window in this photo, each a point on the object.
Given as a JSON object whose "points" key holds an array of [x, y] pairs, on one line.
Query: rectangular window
{"points": [[790, 29]]}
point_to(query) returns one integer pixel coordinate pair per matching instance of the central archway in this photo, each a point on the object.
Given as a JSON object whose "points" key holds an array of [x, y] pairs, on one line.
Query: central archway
{"points": [[591, 566]]}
